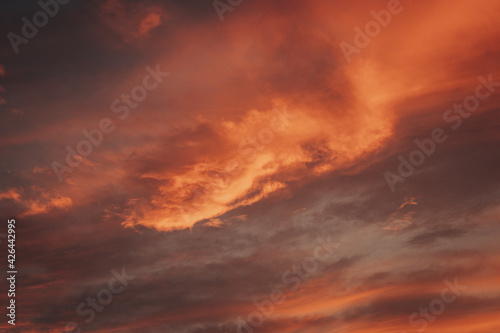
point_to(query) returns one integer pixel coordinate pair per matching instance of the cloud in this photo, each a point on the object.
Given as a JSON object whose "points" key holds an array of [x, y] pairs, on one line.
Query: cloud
{"points": [[11, 194], [44, 202], [132, 20], [429, 237], [151, 21], [262, 139]]}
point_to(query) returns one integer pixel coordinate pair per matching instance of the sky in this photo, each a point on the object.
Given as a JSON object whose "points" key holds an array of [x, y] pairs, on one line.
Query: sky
{"points": [[251, 166]]}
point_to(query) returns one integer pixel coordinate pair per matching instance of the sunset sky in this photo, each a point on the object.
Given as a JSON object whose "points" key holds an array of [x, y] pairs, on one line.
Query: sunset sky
{"points": [[198, 160]]}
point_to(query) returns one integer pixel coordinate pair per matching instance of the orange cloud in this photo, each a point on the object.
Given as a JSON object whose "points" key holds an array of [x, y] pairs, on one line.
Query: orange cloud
{"points": [[11, 194], [263, 154], [349, 113], [151, 21], [43, 202]]}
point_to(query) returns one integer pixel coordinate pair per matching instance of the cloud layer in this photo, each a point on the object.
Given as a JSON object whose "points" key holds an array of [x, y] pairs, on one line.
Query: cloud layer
{"points": [[214, 188]]}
